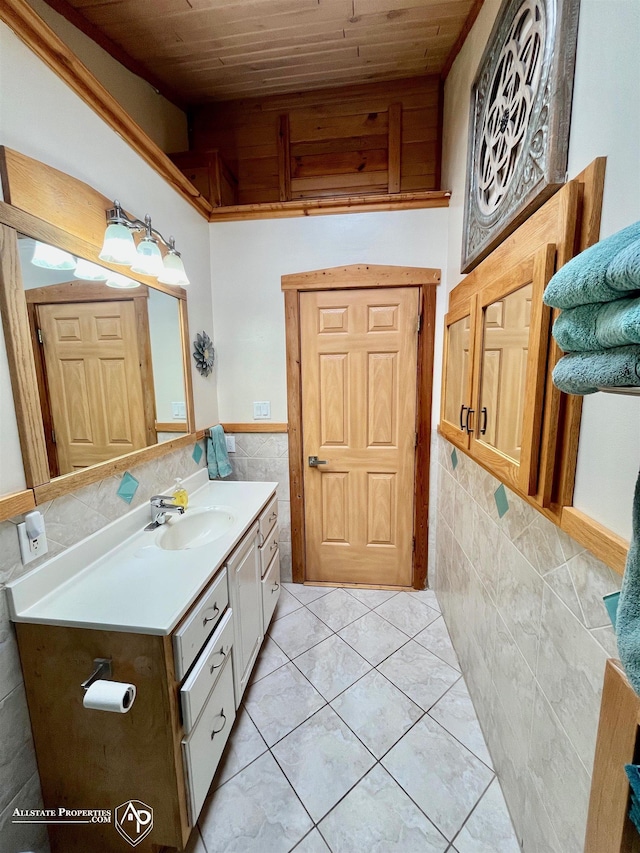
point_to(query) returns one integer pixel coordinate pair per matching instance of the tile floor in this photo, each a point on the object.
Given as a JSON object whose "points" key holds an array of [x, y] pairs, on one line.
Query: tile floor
{"points": [[356, 734]]}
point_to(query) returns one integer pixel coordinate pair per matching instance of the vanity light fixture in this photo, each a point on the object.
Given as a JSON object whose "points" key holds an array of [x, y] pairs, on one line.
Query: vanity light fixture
{"points": [[90, 272], [119, 248], [50, 258]]}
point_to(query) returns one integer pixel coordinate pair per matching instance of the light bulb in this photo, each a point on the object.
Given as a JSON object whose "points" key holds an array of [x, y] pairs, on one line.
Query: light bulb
{"points": [[121, 281], [50, 258], [173, 272], [148, 260], [118, 246], [90, 272]]}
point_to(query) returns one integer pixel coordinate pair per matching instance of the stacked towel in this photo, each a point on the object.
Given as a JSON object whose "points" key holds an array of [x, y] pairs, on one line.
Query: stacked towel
{"points": [[633, 774], [608, 270], [599, 327], [628, 615], [217, 456]]}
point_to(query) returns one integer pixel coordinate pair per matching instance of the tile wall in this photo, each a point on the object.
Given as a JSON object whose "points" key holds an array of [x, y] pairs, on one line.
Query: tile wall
{"points": [[68, 520], [264, 456], [523, 604]]}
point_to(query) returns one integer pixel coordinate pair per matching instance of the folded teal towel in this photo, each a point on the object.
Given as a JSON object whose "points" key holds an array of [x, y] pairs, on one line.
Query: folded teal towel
{"points": [[585, 372], [628, 617], [586, 278], [217, 456], [601, 325], [623, 273]]}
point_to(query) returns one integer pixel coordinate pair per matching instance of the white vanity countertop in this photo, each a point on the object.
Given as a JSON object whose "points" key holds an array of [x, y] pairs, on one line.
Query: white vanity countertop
{"points": [[119, 580]]}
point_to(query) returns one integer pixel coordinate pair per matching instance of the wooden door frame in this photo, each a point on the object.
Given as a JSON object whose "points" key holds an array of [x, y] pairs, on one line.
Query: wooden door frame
{"points": [[362, 276]]}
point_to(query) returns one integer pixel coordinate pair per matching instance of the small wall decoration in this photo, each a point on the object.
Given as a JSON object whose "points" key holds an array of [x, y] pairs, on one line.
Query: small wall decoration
{"points": [[519, 120], [203, 353]]}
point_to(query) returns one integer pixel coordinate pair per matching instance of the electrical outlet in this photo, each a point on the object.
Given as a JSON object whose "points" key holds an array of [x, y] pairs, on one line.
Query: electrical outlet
{"points": [[231, 443], [31, 549]]}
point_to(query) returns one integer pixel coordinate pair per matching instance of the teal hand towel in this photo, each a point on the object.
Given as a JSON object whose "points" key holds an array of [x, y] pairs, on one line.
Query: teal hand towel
{"points": [[585, 372], [628, 617], [602, 325], [586, 278], [217, 456]]}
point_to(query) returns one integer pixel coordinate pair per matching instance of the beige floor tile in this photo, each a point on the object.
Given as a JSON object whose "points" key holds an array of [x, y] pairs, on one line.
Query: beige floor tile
{"points": [[337, 609], [332, 666], [419, 674], [373, 637], [298, 632]]}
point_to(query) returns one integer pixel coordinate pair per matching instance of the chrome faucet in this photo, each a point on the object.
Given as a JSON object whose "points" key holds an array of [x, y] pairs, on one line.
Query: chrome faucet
{"points": [[160, 508]]}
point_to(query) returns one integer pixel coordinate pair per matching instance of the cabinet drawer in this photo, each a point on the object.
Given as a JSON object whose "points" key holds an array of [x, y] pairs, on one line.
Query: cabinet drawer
{"points": [[268, 518], [271, 590], [206, 671], [202, 749], [268, 550], [197, 627]]}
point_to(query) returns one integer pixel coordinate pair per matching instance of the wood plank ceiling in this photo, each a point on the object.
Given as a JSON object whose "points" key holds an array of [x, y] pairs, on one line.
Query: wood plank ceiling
{"points": [[204, 50]]}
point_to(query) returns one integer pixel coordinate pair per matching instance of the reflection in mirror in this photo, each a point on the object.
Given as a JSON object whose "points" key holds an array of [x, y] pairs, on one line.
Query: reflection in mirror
{"points": [[504, 371], [457, 371], [108, 354]]}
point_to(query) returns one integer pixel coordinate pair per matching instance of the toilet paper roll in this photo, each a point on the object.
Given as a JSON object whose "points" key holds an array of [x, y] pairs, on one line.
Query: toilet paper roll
{"points": [[110, 696]]}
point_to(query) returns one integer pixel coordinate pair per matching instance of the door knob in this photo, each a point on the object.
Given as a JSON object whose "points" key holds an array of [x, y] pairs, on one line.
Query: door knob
{"points": [[314, 462]]}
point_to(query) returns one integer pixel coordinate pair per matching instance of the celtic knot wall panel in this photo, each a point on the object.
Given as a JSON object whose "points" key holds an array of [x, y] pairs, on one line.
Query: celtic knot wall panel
{"points": [[519, 120]]}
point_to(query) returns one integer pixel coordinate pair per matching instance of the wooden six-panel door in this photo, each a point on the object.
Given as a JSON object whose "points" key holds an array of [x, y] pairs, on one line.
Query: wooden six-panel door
{"points": [[359, 369], [93, 376]]}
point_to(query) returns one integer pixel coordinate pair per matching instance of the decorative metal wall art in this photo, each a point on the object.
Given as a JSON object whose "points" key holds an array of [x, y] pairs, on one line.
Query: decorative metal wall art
{"points": [[203, 353], [519, 120]]}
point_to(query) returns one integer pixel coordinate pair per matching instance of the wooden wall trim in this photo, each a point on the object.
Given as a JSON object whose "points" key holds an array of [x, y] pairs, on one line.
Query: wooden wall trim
{"points": [[361, 275], [331, 205], [78, 479], [254, 427], [171, 426], [602, 542], [24, 380], [62, 7], [459, 42], [16, 504], [41, 39]]}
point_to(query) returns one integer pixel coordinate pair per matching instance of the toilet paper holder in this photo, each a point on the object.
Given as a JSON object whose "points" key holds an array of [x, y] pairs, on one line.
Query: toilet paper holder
{"points": [[102, 670]]}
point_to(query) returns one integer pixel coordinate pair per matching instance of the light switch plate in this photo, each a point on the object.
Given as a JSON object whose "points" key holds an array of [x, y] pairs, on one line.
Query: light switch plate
{"points": [[231, 443], [179, 411], [261, 410]]}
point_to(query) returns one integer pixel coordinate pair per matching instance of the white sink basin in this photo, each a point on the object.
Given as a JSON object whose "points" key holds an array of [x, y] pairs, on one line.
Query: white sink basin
{"points": [[197, 527]]}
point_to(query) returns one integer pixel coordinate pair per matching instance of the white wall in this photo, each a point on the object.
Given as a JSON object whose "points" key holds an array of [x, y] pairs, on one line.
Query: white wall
{"points": [[41, 117], [605, 121], [165, 123], [247, 261]]}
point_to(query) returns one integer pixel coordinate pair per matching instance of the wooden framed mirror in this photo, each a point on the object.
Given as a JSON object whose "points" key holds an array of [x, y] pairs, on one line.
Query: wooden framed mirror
{"points": [[100, 373]]}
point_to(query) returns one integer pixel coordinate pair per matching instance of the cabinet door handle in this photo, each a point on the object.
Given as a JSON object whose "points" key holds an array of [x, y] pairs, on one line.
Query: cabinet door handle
{"points": [[216, 611], [483, 411], [218, 665], [468, 429], [274, 545], [224, 723], [273, 516], [462, 425], [275, 588]]}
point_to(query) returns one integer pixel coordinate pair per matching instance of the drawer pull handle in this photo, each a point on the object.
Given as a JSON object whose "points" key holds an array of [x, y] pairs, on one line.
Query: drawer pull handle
{"points": [[274, 545], [273, 516], [216, 611], [275, 588], [218, 665], [224, 723]]}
